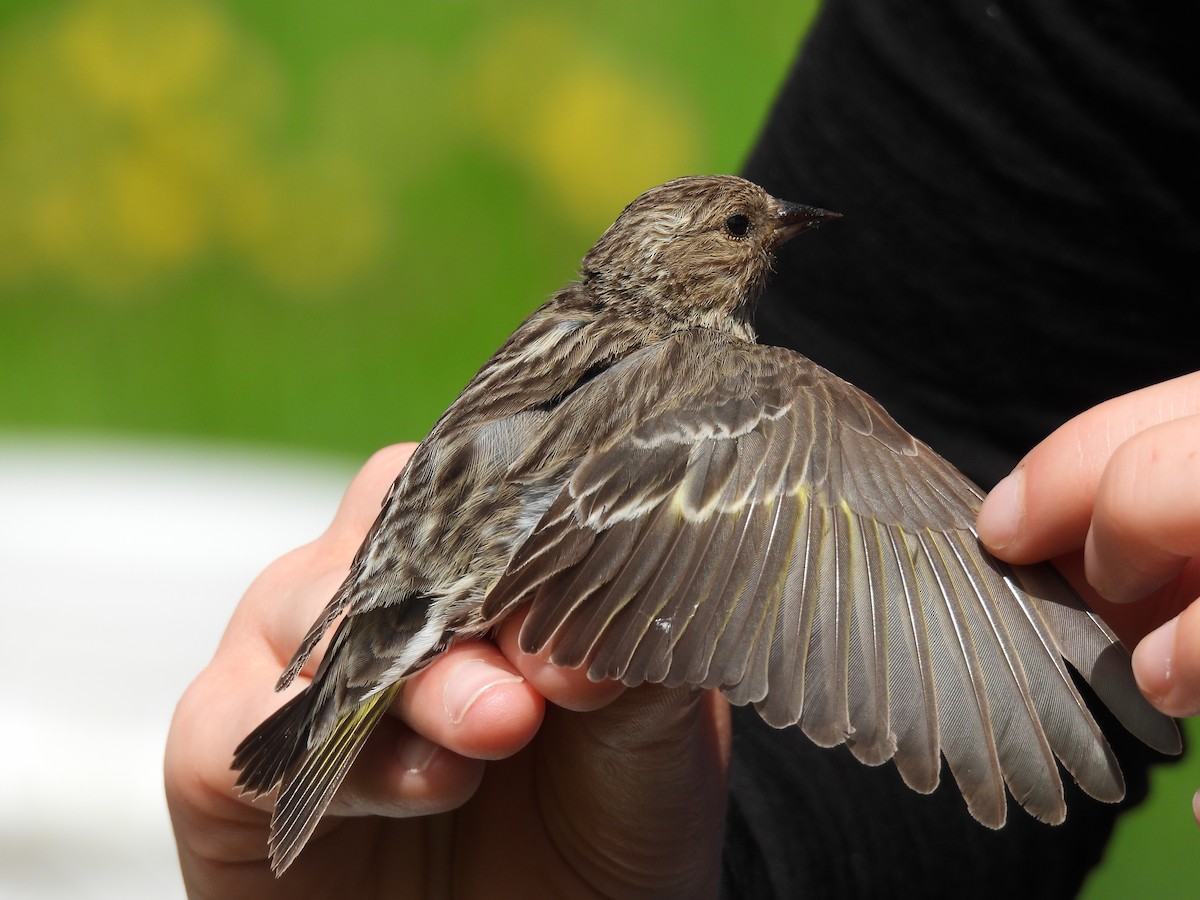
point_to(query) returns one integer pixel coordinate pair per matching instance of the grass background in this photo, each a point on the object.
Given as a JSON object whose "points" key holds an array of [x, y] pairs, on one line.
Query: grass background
{"points": [[304, 226]]}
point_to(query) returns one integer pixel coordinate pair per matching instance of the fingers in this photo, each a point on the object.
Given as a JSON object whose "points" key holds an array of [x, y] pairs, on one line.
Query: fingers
{"points": [[1112, 492], [473, 701], [477, 701], [486, 700], [400, 774], [1116, 481], [1146, 520], [427, 756], [567, 688], [1167, 664], [1044, 509]]}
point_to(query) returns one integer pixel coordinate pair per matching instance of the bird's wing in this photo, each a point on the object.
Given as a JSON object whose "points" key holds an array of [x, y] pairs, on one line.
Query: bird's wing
{"points": [[770, 531]]}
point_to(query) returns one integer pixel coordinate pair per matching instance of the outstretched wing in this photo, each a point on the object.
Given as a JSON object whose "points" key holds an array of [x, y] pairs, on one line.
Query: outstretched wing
{"points": [[772, 532]]}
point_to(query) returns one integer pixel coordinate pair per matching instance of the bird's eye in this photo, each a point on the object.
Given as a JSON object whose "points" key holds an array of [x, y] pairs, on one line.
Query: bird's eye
{"points": [[737, 225]]}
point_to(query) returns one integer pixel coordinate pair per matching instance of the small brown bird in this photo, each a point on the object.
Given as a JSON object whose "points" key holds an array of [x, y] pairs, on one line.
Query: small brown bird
{"points": [[679, 504]]}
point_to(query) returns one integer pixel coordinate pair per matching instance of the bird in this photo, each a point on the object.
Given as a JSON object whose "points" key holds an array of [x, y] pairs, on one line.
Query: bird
{"points": [[677, 503]]}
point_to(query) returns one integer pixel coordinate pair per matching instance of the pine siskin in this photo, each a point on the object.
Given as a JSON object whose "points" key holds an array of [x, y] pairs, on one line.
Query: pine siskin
{"points": [[680, 504]]}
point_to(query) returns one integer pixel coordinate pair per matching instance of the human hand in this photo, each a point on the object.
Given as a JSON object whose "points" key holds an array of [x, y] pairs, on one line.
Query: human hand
{"points": [[473, 785], [1114, 495]]}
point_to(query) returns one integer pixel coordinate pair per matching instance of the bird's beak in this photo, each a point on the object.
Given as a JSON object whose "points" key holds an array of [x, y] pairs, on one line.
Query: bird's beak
{"points": [[792, 218]]}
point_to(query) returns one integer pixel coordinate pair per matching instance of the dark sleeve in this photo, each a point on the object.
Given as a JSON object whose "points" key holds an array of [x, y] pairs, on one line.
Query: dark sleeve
{"points": [[1022, 202], [1021, 241]]}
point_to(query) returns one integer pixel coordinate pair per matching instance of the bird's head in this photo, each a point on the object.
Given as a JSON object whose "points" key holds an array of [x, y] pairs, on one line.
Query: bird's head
{"points": [[695, 249]]}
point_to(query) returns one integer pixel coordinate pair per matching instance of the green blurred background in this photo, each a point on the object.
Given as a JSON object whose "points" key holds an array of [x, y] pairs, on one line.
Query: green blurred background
{"points": [[304, 225], [309, 228]]}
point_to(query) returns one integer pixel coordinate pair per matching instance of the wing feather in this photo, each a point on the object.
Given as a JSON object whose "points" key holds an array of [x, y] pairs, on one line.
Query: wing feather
{"points": [[784, 703], [692, 652], [560, 617], [1026, 760], [868, 694], [967, 738], [916, 720], [770, 531], [1097, 655], [825, 717], [743, 650]]}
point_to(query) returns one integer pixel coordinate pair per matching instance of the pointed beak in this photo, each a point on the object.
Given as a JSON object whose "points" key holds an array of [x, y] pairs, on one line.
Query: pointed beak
{"points": [[790, 219]]}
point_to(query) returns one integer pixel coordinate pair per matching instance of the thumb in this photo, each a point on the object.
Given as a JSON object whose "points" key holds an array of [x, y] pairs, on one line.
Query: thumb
{"points": [[633, 781], [649, 773]]}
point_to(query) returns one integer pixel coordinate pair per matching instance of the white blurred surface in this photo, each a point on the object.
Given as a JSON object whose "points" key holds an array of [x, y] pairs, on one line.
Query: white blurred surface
{"points": [[119, 566]]}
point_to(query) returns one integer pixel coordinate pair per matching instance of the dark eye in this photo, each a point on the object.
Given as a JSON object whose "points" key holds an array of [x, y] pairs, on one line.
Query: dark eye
{"points": [[737, 225]]}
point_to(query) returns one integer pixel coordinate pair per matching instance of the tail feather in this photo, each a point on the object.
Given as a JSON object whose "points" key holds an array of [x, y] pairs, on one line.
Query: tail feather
{"points": [[277, 754], [275, 746], [307, 793]]}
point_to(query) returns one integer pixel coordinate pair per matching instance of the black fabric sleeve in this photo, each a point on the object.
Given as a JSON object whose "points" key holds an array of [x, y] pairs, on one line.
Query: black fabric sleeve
{"points": [[1021, 241], [1021, 188]]}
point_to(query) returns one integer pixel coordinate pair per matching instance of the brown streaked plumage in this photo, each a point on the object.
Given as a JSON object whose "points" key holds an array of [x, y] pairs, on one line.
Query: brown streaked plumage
{"points": [[679, 504]]}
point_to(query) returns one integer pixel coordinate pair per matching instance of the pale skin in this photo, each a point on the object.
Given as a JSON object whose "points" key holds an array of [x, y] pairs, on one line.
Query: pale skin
{"points": [[498, 775]]}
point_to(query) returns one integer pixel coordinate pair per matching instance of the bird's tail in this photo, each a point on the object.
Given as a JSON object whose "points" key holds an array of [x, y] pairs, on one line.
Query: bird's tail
{"points": [[278, 753], [269, 752]]}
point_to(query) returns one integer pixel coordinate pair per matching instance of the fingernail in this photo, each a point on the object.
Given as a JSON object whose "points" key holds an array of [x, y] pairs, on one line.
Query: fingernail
{"points": [[471, 680], [1000, 516], [416, 753], [1152, 662], [1196, 806]]}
